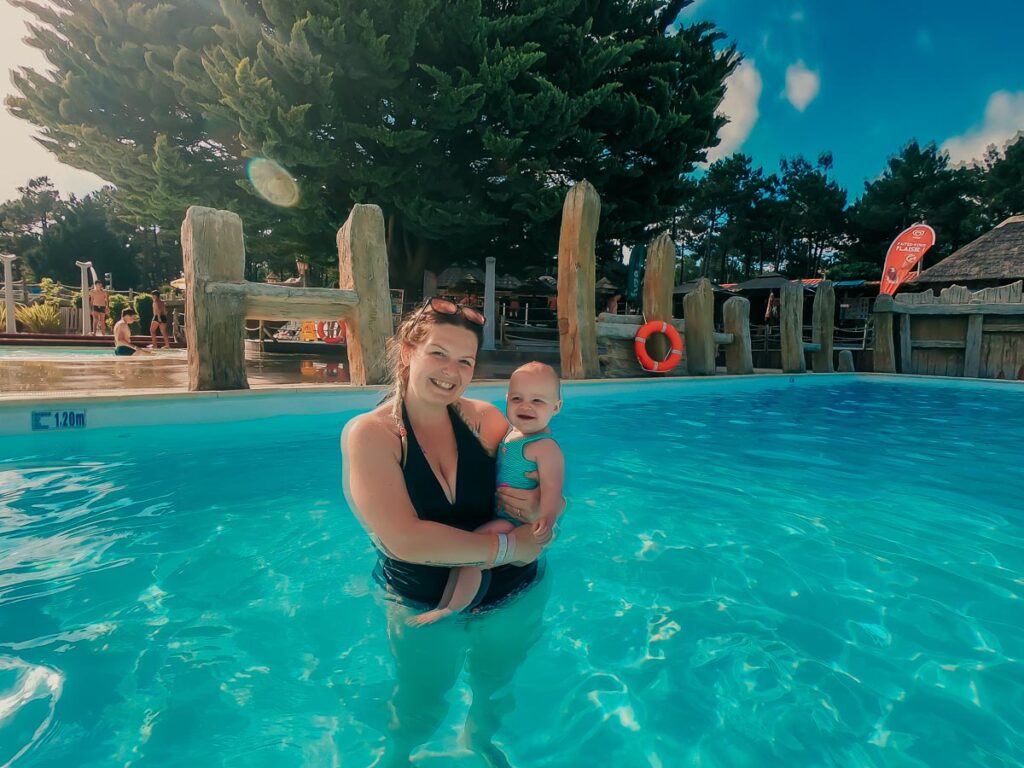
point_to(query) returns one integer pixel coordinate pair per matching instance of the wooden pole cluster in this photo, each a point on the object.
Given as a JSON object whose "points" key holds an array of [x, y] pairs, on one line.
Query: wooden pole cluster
{"points": [[218, 300], [577, 269]]}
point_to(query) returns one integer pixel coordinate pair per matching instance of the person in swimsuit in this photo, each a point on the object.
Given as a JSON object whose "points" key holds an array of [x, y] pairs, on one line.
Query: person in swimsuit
{"points": [[159, 321], [98, 303], [123, 346], [533, 400], [419, 473]]}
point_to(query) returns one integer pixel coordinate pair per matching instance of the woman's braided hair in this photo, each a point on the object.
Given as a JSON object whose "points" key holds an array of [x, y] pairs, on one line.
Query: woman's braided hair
{"points": [[412, 331]]}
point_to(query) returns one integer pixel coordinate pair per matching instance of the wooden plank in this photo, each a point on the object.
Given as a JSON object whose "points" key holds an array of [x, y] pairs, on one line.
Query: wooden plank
{"points": [[791, 328], [823, 324], [991, 327], [738, 355], [1003, 294], [577, 332], [659, 279], [936, 344], [906, 356], [281, 302], [363, 268], [884, 352], [959, 309], [810, 346], [622, 331], [213, 251], [972, 351], [955, 294], [925, 297], [699, 312]]}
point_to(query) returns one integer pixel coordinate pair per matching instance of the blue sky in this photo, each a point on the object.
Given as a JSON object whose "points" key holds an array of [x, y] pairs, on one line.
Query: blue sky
{"points": [[857, 78], [862, 78]]}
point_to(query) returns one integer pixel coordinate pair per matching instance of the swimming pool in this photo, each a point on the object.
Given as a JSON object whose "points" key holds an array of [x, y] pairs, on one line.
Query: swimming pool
{"points": [[822, 573]]}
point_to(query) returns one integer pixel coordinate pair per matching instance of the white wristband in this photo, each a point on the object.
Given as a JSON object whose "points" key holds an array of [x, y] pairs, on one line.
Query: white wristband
{"points": [[499, 558]]}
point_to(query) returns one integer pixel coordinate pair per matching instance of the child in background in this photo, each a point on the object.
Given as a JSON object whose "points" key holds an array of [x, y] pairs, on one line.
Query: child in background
{"points": [[534, 397]]}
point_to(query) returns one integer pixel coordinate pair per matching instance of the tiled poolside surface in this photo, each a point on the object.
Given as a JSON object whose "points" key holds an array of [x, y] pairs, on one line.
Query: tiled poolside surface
{"points": [[169, 372]]}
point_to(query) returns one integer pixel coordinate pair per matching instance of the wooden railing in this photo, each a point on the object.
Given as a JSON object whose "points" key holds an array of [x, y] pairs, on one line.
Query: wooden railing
{"points": [[957, 333]]}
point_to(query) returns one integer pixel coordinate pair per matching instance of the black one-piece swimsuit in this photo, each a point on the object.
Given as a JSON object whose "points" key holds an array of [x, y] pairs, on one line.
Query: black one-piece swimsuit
{"points": [[473, 506]]}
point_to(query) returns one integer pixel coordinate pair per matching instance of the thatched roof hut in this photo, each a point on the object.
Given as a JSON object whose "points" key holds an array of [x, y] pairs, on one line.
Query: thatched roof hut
{"points": [[995, 258]]}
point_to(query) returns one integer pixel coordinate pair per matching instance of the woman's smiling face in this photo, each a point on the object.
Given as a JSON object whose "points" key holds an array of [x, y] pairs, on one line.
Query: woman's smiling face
{"points": [[442, 365]]}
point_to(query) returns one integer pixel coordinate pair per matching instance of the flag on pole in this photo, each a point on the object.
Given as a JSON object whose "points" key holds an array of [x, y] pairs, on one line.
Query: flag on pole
{"points": [[904, 254]]}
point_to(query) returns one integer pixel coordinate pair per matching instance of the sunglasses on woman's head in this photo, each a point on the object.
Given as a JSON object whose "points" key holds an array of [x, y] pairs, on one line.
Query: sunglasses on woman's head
{"points": [[446, 307]]}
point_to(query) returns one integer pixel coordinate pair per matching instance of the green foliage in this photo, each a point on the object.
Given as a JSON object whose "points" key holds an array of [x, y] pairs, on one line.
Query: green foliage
{"points": [[116, 303], [465, 120], [39, 318], [50, 290], [917, 186], [1003, 185]]}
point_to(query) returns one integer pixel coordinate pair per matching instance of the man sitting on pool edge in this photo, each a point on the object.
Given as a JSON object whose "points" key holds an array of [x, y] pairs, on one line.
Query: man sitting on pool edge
{"points": [[123, 334]]}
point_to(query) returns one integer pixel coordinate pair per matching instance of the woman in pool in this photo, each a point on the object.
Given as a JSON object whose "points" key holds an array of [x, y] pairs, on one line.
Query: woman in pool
{"points": [[419, 473]]}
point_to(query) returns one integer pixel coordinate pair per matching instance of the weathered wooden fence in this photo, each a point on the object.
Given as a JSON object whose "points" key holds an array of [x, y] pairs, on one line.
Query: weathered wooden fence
{"points": [[957, 333], [219, 300]]}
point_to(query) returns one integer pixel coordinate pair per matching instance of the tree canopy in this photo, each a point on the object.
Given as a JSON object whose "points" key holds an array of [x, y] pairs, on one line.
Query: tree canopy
{"points": [[465, 120]]}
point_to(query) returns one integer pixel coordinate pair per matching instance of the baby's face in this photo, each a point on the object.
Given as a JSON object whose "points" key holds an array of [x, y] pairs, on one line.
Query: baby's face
{"points": [[532, 401]]}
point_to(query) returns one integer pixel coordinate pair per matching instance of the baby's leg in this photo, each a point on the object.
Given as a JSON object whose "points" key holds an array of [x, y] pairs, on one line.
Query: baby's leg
{"points": [[463, 584]]}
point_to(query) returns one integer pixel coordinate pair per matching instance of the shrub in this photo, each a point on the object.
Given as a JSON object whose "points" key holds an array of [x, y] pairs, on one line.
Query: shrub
{"points": [[39, 318], [50, 290], [117, 302]]}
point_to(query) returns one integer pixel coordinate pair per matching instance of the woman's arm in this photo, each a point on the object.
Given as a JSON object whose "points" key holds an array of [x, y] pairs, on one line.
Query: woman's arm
{"points": [[376, 492]]}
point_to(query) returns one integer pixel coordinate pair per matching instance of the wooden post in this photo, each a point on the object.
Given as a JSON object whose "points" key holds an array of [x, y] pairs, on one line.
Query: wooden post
{"points": [[972, 348], [489, 280], [906, 348], [9, 320], [363, 267], [659, 279], [884, 353], [211, 242], [738, 357], [699, 314], [577, 326], [824, 320], [791, 326], [846, 361]]}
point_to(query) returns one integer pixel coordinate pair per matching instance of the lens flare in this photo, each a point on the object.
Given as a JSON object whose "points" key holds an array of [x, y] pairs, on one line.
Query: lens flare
{"points": [[273, 183]]}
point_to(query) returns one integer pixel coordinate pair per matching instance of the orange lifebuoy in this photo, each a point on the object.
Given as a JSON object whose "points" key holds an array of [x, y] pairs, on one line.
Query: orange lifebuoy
{"points": [[322, 334], [647, 362]]}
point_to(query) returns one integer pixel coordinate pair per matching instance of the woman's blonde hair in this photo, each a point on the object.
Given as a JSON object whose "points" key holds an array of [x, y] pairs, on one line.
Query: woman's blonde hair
{"points": [[412, 331]]}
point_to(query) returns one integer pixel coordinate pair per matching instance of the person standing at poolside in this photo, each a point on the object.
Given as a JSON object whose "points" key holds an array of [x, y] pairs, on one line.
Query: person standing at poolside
{"points": [[159, 321], [99, 302], [123, 334], [419, 473]]}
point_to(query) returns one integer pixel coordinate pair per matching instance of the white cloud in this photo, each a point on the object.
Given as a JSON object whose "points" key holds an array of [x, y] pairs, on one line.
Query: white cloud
{"points": [[802, 85], [742, 92], [1004, 118]]}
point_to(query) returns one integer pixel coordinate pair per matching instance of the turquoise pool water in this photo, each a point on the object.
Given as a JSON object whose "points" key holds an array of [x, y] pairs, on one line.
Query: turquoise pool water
{"points": [[804, 576]]}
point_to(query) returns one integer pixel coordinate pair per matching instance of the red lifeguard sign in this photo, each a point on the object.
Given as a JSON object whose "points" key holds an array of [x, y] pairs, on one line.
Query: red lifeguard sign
{"points": [[904, 254]]}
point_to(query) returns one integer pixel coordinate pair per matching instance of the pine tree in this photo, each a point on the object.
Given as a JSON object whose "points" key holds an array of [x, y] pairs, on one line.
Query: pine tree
{"points": [[465, 120]]}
